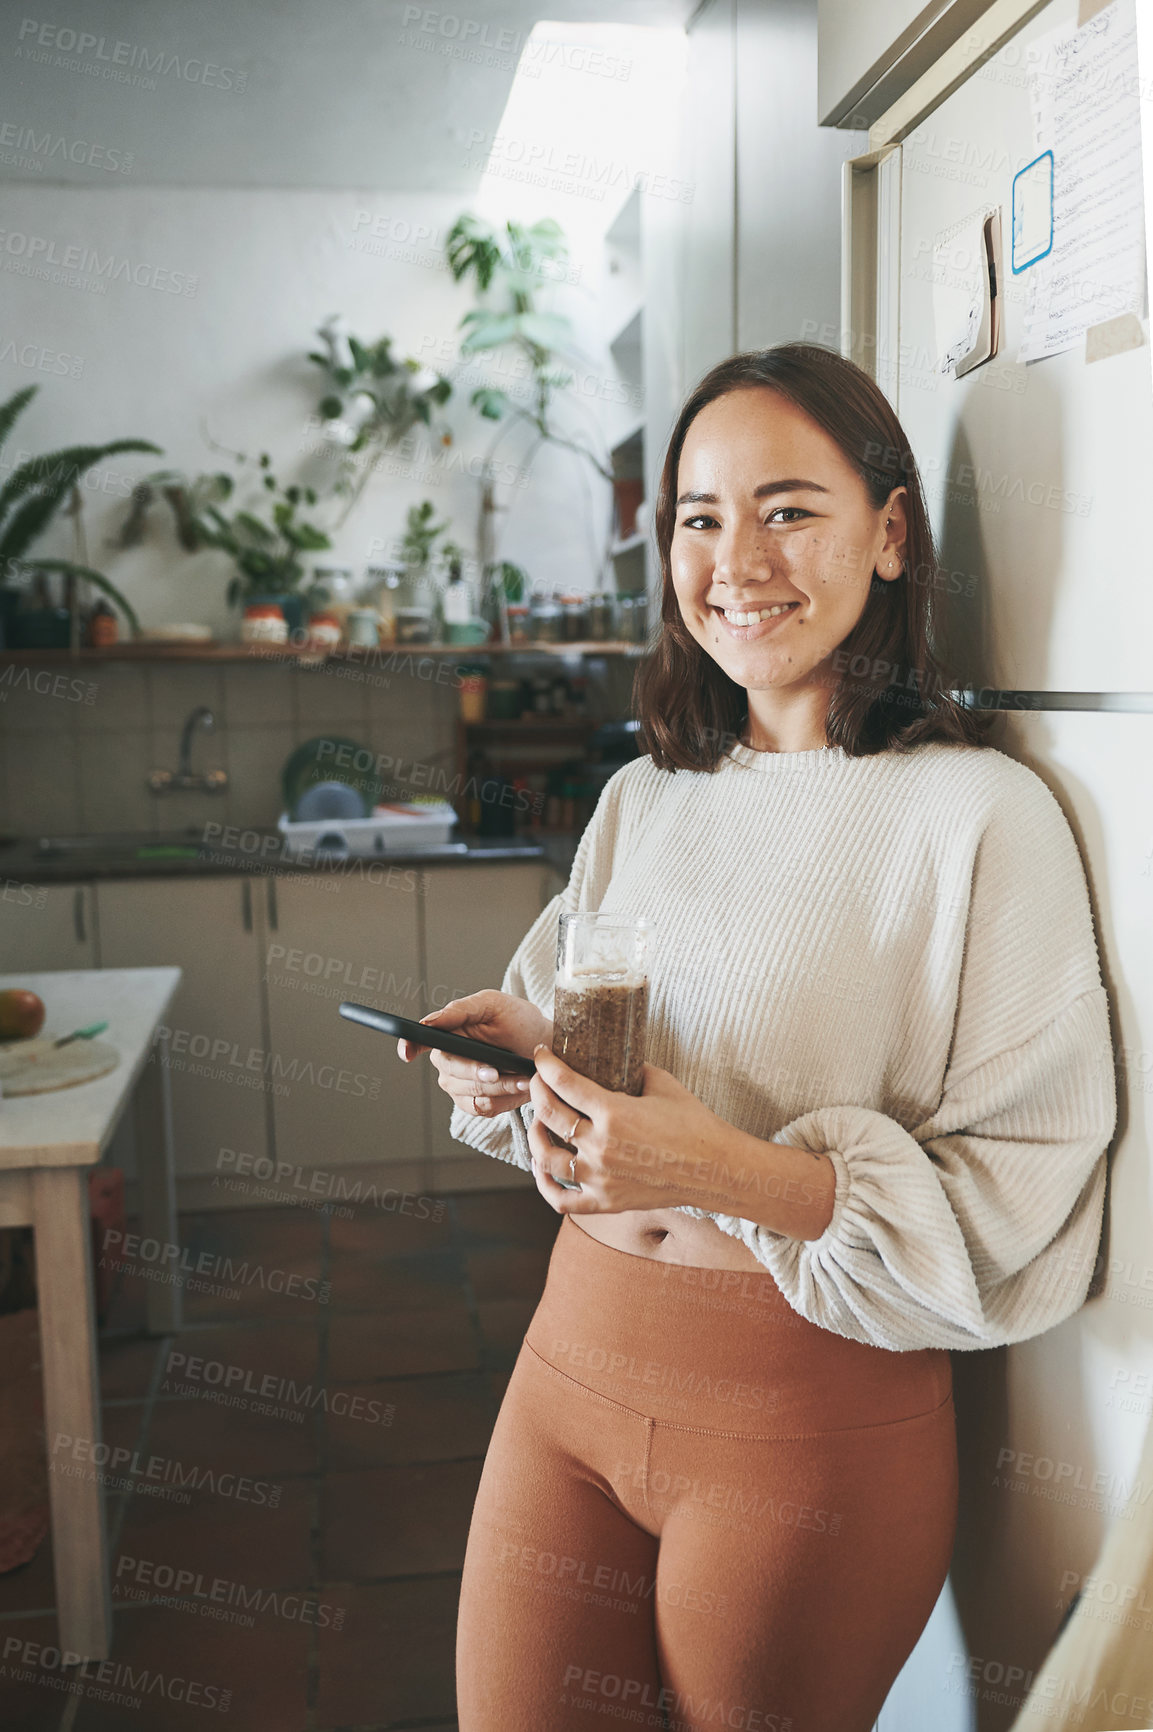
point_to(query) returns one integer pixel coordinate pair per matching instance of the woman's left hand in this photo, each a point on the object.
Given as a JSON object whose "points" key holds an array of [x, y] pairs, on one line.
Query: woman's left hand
{"points": [[633, 1151]]}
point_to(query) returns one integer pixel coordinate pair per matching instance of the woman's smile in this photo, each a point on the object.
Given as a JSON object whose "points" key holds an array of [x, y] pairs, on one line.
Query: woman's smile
{"points": [[748, 624]]}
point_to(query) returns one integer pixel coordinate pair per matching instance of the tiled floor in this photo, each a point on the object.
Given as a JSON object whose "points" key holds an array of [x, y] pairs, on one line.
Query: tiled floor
{"points": [[322, 1541]]}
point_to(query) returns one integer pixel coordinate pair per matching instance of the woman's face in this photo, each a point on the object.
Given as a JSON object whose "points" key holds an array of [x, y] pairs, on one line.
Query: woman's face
{"points": [[771, 514]]}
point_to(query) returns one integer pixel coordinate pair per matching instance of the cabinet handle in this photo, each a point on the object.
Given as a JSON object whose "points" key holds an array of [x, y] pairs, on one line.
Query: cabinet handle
{"points": [[246, 905], [273, 911], [80, 925]]}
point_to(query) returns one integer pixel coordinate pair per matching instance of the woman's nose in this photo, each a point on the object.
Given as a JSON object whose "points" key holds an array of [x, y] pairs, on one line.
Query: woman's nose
{"points": [[739, 552]]}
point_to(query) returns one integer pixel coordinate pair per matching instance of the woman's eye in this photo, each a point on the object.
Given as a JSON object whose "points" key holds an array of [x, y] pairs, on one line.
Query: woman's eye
{"points": [[781, 514]]}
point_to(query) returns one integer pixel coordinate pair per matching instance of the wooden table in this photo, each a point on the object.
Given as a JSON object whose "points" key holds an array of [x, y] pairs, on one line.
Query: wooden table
{"points": [[48, 1143]]}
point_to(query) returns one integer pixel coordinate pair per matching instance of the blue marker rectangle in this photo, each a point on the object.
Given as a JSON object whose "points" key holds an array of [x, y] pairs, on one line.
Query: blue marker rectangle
{"points": [[1033, 212]]}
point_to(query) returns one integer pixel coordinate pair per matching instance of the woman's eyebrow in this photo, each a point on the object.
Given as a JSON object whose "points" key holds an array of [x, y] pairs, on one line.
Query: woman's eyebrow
{"points": [[792, 485]]}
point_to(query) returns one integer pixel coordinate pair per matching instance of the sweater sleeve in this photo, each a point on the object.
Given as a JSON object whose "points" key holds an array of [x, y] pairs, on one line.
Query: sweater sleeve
{"points": [[981, 1225], [532, 971]]}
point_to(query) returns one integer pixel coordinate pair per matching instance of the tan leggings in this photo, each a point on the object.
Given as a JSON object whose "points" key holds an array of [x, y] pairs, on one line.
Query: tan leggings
{"points": [[699, 1510]]}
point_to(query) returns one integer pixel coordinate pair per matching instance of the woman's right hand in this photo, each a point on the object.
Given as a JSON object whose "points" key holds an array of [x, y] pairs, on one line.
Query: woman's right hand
{"points": [[499, 1019]]}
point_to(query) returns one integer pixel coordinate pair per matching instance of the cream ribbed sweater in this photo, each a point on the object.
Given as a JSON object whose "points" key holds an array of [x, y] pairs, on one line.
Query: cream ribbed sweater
{"points": [[890, 959]]}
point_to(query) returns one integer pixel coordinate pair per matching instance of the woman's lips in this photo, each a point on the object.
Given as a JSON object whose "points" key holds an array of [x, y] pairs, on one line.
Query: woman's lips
{"points": [[762, 628]]}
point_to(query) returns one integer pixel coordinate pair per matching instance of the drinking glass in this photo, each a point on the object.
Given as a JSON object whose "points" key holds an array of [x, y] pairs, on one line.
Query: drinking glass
{"points": [[600, 1001]]}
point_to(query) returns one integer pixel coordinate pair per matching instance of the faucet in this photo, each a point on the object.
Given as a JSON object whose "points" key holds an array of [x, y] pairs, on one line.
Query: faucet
{"points": [[182, 779]]}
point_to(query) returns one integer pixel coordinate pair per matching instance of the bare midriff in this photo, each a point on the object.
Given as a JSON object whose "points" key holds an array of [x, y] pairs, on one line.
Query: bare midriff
{"points": [[670, 1237]]}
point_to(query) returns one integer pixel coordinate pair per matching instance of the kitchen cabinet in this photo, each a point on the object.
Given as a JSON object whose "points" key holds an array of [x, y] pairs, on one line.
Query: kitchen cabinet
{"points": [[341, 1095], [212, 928], [262, 1064], [46, 926], [474, 918]]}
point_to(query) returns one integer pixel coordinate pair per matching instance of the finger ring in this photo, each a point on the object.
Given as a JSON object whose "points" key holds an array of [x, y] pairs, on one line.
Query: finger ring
{"points": [[572, 1171], [476, 1102], [575, 1123]]}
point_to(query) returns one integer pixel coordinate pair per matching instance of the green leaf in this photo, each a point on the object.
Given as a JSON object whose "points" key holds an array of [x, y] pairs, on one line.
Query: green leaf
{"points": [[547, 232], [26, 523], [306, 537], [546, 330], [489, 330], [57, 470], [13, 408], [490, 402], [259, 531]]}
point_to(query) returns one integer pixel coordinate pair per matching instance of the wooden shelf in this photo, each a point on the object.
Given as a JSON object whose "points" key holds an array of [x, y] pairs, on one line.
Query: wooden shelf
{"points": [[245, 652]]}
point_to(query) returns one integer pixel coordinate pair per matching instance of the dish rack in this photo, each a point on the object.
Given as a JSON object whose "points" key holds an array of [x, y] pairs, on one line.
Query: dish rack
{"points": [[392, 828]]}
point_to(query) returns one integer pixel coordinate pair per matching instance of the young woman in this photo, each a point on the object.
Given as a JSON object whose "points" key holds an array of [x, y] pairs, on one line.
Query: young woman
{"points": [[721, 1489]]}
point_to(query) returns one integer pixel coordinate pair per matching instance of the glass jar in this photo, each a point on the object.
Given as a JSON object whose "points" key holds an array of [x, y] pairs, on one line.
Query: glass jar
{"points": [[382, 591], [575, 617], [413, 625], [518, 622], [600, 616], [546, 620], [334, 591], [624, 619], [473, 691], [505, 700], [363, 627], [418, 593]]}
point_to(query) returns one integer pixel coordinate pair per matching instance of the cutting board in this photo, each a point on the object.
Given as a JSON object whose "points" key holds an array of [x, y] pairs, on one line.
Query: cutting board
{"points": [[35, 1067]]}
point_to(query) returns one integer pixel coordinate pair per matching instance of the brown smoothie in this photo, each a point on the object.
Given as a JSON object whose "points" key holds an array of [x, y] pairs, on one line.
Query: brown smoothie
{"points": [[599, 1030]]}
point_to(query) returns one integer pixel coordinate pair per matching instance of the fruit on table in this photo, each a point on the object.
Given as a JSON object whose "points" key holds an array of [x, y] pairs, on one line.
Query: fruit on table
{"points": [[21, 1014]]}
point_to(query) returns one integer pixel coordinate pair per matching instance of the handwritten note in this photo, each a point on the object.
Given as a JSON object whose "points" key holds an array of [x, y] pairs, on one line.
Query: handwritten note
{"points": [[1084, 92]]}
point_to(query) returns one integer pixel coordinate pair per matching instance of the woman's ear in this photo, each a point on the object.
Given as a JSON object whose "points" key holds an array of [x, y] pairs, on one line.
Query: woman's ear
{"points": [[891, 561]]}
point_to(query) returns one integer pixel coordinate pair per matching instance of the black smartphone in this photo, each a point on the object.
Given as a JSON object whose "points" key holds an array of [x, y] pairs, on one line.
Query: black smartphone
{"points": [[426, 1034]]}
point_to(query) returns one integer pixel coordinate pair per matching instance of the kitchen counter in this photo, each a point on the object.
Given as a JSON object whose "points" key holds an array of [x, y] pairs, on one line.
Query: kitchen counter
{"points": [[180, 855]]}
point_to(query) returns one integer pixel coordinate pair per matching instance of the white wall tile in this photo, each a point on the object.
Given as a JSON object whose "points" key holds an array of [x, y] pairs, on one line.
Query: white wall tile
{"points": [[113, 792]]}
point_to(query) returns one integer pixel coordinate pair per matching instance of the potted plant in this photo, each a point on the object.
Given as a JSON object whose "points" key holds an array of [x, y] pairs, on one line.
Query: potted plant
{"points": [[508, 268], [423, 542], [268, 550], [29, 499]]}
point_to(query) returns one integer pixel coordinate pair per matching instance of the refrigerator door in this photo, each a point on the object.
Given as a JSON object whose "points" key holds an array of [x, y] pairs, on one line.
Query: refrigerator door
{"points": [[1037, 479], [1037, 476]]}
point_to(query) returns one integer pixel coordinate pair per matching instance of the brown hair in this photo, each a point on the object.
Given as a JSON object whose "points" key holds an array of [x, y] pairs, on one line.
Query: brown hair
{"points": [[896, 694]]}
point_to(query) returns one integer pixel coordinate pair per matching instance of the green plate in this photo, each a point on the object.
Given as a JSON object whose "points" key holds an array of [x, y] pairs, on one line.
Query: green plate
{"points": [[331, 758]]}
